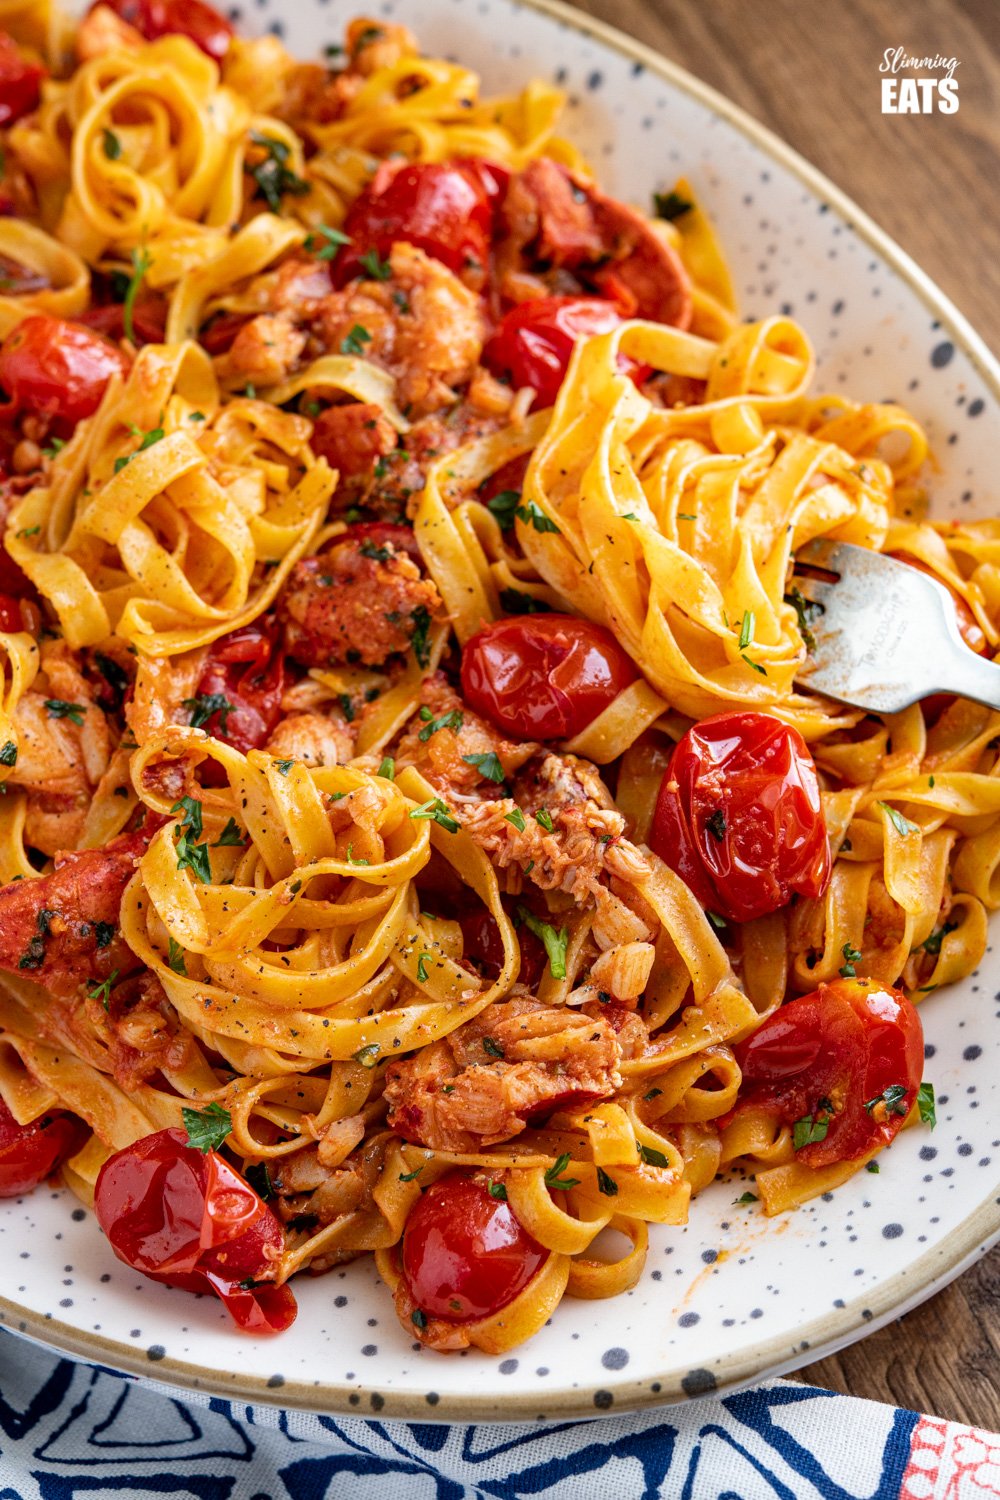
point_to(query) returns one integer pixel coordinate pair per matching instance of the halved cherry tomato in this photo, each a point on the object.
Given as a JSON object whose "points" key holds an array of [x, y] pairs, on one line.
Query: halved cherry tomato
{"points": [[837, 1057], [52, 368], [20, 81], [186, 1218], [10, 613], [535, 341], [465, 1255], [544, 676], [248, 670], [739, 816], [969, 627], [30, 1153], [200, 23], [443, 208]]}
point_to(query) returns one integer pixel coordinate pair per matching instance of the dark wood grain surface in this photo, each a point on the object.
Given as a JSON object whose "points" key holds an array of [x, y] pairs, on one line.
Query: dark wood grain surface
{"points": [[809, 70]]}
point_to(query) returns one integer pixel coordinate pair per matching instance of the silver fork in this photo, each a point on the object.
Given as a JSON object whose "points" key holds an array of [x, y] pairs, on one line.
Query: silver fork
{"points": [[886, 635]]}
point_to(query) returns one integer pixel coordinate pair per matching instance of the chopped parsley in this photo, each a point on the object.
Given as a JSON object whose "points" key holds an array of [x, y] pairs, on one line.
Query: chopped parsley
{"points": [[902, 825], [175, 957], [811, 1129], [102, 991], [409, 1176], [871, 1166], [504, 507], [190, 808], [437, 812], [141, 262], [670, 205], [544, 819], [516, 818], [379, 270], [115, 676], [418, 1318], [421, 627], [555, 942], [367, 1056], [8, 754], [747, 629], [454, 721], [652, 1157], [155, 435], [375, 552], [755, 664], [58, 708], [488, 765], [259, 1179], [554, 1178], [852, 956], [355, 341], [933, 943], [806, 611], [325, 242], [112, 145], [745, 1198], [497, 1190], [104, 933], [272, 173], [205, 705], [492, 1048], [231, 836], [532, 515], [34, 954], [387, 769], [422, 961], [892, 1100], [283, 766], [606, 1184], [926, 1105], [207, 1128]]}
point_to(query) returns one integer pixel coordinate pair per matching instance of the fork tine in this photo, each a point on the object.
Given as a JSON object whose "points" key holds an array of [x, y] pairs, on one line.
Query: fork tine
{"points": [[820, 553], [813, 590]]}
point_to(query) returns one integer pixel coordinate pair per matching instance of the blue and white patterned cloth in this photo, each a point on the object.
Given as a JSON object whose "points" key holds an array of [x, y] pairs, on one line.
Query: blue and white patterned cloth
{"points": [[69, 1431]]}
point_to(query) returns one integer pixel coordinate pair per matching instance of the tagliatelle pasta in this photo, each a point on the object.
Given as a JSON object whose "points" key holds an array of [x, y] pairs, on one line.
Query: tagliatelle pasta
{"points": [[417, 827]]}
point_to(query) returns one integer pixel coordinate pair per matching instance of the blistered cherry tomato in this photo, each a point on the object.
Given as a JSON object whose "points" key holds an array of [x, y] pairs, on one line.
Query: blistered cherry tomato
{"points": [[30, 1153], [200, 23], [246, 669], [535, 341], [52, 368], [969, 627], [444, 209], [544, 677], [149, 319], [188, 1219], [465, 1255], [739, 816], [850, 1056], [20, 81]]}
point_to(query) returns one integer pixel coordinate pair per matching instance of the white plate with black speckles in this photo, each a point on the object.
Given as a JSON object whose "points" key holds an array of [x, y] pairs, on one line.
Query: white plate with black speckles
{"points": [[732, 1296]]}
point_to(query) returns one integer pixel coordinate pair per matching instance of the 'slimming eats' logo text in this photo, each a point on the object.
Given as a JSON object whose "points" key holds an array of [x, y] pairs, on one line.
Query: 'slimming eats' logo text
{"points": [[919, 95]]}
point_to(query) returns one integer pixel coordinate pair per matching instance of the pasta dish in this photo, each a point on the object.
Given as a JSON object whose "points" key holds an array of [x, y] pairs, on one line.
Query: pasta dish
{"points": [[417, 834]]}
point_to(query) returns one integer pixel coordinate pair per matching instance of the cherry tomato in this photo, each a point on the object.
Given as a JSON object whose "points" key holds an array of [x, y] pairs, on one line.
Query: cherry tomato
{"points": [[10, 613], [833, 1055], [464, 1254], [149, 319], [482, 946], [444, 209], [20, 81], [544, 676], [52, 368], [969, 627], [535, 341], [186, 1218], [739, 816], [200, 23], [379, 533], [30, 1153], [248, 670]]}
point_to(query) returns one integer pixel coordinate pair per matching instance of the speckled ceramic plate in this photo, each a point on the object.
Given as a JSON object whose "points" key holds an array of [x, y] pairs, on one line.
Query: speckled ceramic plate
{"points": [[732, 1296]]}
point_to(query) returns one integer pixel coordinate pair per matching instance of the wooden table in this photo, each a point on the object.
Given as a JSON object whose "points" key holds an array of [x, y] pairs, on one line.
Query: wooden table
{"points": [[809, 70]]}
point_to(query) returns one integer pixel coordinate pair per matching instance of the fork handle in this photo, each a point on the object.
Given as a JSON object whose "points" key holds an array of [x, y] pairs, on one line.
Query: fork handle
{"points": [[971, 676]]}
